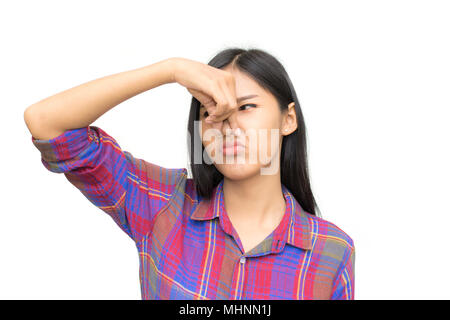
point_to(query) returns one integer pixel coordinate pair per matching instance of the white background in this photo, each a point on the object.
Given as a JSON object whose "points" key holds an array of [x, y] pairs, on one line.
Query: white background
{"points": [[373, 80]]}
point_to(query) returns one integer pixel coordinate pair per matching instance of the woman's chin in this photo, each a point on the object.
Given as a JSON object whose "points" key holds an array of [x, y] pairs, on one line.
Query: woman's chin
{"points": [[238, 171]]}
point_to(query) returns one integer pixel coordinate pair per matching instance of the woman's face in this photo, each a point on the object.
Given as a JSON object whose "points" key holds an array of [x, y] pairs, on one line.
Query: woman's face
{"points": [[262, 126]]}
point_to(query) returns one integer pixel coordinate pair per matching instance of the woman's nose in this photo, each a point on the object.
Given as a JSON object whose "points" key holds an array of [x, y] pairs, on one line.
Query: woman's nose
{"points": [[230, 124]]}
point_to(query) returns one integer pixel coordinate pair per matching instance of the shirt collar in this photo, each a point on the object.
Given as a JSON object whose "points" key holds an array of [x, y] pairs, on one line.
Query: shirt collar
{"points": [[295, 225]]}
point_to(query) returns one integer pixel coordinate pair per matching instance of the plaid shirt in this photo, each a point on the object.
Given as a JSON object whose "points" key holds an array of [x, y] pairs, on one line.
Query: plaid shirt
{"points": [[187, 245]]}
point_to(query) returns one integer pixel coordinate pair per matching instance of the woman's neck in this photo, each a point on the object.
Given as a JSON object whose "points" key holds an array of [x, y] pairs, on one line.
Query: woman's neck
{"points": [[256, 202]]}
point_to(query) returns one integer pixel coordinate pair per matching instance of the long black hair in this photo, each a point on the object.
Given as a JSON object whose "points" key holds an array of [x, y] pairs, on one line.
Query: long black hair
{"points": [[270, 74]]}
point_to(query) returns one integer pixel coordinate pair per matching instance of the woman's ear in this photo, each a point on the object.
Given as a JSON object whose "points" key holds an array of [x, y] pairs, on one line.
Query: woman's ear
{"points": [[289, 123]]}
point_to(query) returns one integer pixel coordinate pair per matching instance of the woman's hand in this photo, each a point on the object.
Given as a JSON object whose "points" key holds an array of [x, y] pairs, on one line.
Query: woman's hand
{"points": [[213, 87]]}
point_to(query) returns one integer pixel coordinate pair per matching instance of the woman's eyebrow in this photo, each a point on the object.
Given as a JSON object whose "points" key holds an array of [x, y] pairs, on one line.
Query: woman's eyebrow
{"points": [[246, 97]]}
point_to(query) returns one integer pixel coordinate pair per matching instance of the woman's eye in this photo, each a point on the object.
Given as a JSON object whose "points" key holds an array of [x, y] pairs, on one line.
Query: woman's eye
{"points": [[251, 105], [205, 114]]}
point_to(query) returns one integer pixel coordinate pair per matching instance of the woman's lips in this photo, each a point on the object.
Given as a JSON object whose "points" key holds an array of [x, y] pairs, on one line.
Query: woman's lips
{"points": [[232, 147]]}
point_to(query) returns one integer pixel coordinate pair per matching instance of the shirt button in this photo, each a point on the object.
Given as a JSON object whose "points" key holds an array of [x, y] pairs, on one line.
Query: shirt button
{"points": [[242, 260]]}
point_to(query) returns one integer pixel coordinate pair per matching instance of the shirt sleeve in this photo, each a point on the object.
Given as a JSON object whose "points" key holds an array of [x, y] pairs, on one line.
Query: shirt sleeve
{"points": [[130, 190], [344, 287]]}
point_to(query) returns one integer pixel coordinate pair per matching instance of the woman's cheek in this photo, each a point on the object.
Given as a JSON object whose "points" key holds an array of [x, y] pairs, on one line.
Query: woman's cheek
{"points": [[210, 143], [269, 144]]}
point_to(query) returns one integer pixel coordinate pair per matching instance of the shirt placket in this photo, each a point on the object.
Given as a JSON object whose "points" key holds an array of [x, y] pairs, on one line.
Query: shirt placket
{"points": [[239, 272], [239, 276]]}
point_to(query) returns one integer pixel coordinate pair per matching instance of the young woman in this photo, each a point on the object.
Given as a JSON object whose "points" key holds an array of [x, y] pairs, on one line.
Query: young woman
{"points": [[240, 229]]}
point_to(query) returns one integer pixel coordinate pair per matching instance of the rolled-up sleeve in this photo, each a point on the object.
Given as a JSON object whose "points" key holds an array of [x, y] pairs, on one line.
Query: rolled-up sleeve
{"points": [[131, 190]]}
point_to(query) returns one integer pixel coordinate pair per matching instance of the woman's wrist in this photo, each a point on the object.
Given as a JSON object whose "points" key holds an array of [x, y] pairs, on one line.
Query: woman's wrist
{"points": [[171, 67]]}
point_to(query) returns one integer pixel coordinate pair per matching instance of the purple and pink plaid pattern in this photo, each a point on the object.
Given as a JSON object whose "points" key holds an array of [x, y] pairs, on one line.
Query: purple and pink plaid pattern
{"points": [[187, 245]]}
